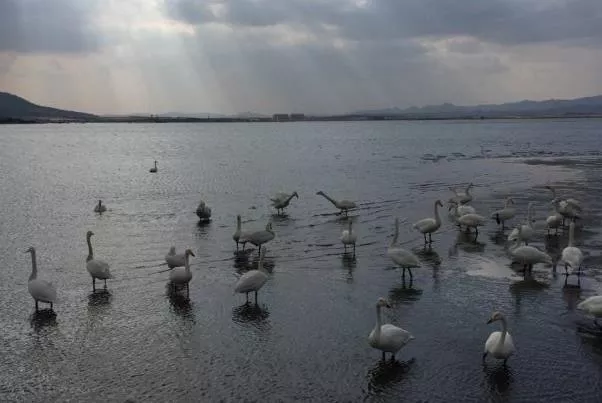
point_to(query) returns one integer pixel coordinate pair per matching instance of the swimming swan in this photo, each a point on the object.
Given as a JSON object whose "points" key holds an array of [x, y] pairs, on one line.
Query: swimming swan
{"points": [[429, 225], [203, 211], [572, 255], [499, 344], [593, 306], [100, 208], [505, 214], [554, 221], [182, 275], [528, 255], [258, 238], [462, 197], [387, 338], [174, 259], [40, 290], [282, 200], [98, 269], [240, 236], [253, 280], [348, 237], [472, 221], [343, 205], [527, 232], [574, 204], [154, 169], [402, 257]]}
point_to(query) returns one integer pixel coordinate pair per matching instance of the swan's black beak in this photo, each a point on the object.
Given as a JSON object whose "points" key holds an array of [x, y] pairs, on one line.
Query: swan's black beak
{"points": [[388, 305], [497, 218], [192, 254], [489, 321]]}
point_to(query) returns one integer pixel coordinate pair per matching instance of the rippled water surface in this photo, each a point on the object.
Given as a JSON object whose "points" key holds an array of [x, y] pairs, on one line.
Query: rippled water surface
{"points": [[307, 338]]}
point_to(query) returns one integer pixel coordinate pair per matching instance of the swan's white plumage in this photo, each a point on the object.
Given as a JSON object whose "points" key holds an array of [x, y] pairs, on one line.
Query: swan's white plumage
{"points": [[505, 214], [174, 259], [592, 305], [182, 275], [472, 220], [252, 280], [343, 205], [499, 344], [572, 255], [462, 197], [527, 233], [401, 257], [387, 338], [258, 238], [281, 200], [97, 268], [40, 290]]}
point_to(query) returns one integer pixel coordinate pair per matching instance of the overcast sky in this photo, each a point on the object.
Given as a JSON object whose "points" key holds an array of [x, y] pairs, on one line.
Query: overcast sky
{"points": [[312, 56]]}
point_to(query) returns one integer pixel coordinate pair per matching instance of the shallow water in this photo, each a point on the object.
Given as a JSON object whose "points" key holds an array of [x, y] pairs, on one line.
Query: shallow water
{"points": [[307, 340]]}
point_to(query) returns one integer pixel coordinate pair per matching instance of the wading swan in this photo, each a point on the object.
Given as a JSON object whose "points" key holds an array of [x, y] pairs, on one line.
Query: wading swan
{"points": [[98, 269], [282, 200], [174, 259], [402, 257], [462, 197], [203, 211], [182, 275], [429, 225], [505, 214], [154, 169], [572, 203], [240, 236], [527, 232], [253, 280], [343, 205], [387, 338], [566, 210], [593, 306], [499, 344], [458, 210], [348, 237], [572, 255], [471, 221], [528, 255], [554, 221], [40, 290], [100, 208], [258, 238]]}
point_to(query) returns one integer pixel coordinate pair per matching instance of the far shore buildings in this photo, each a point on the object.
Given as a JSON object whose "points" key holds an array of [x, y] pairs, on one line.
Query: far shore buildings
{"points": [[285, 117]]}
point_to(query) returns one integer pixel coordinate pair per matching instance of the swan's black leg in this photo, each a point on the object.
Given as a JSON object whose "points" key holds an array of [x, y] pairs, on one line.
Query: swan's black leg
{"points": [[393, 357], [430, 238], [384, 358], [93, 284], [566, 270], [411, 275], [255, 297], [51, 308], [247, 298], [105, 283], [505, 361], [484, 355], [425, 241], [354, 249], [36, 305]]}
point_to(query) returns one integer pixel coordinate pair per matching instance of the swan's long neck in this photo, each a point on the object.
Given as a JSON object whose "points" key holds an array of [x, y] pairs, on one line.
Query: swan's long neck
{"points": [[504, 331], [34, 266], [90, 252], [437, 218], [378, 323], [330, 199], [571, 234], [288, 200], [238, 224], [395, 235], [350, 227], [186, 263], [468, 189], [507, 204], [530, 214]]}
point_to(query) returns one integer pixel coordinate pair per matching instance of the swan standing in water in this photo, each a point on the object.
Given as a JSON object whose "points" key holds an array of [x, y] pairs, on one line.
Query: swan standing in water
{"points": [[566, 210], [499, 344], [240, 236], [100, 208], [528, 255], [182, 275], [526, 232], [572, 255], [174, 259], [343, 205], [387, 338], [593, 306], [402, 257], [505, 214], [40, 290], [203, 211], [154, 169], [572, 203], [554, 221], [348, 237], [282, 200], [258, 238], [98, 269], [429, 225], [462, 197], [253, 280]]}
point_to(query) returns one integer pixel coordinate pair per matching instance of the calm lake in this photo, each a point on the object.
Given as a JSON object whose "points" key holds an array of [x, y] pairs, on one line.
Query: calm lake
{"points": [[307, 339]]}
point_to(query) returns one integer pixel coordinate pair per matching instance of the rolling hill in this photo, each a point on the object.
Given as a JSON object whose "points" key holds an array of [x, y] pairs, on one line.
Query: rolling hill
{"points": [[17, 108]]}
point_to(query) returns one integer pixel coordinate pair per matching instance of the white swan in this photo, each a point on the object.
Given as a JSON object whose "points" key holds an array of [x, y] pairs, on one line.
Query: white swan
{"points": [[462, 197], [505, 214], [574, 204], [182, 275], [154, 169], [554, 221], [528, 255], [499, 344], [566, 210], [472, 221], [40, 290], [402, 257], [572, 255], [348, 237], [98, 269], [387, 338], [593, 306], [343, 205], [526, 230], [258, 238], [429, 225], [240, 236], [203, 211], [282, 200], [100, 208], [458, 210], [253, 280], [174, 259]]}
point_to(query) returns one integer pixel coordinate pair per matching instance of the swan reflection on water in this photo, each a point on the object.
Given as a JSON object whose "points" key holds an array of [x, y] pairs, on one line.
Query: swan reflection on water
{"points": [[250, 312], [428, 255], [42, 319], [384, 375], [99, 297], [179, 303], [349, 262], [499, 378], [405, 293]]}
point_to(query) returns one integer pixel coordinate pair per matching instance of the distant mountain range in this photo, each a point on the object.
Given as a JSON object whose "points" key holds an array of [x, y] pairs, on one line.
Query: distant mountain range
{"points": [[14, 107], [552, 107]]}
